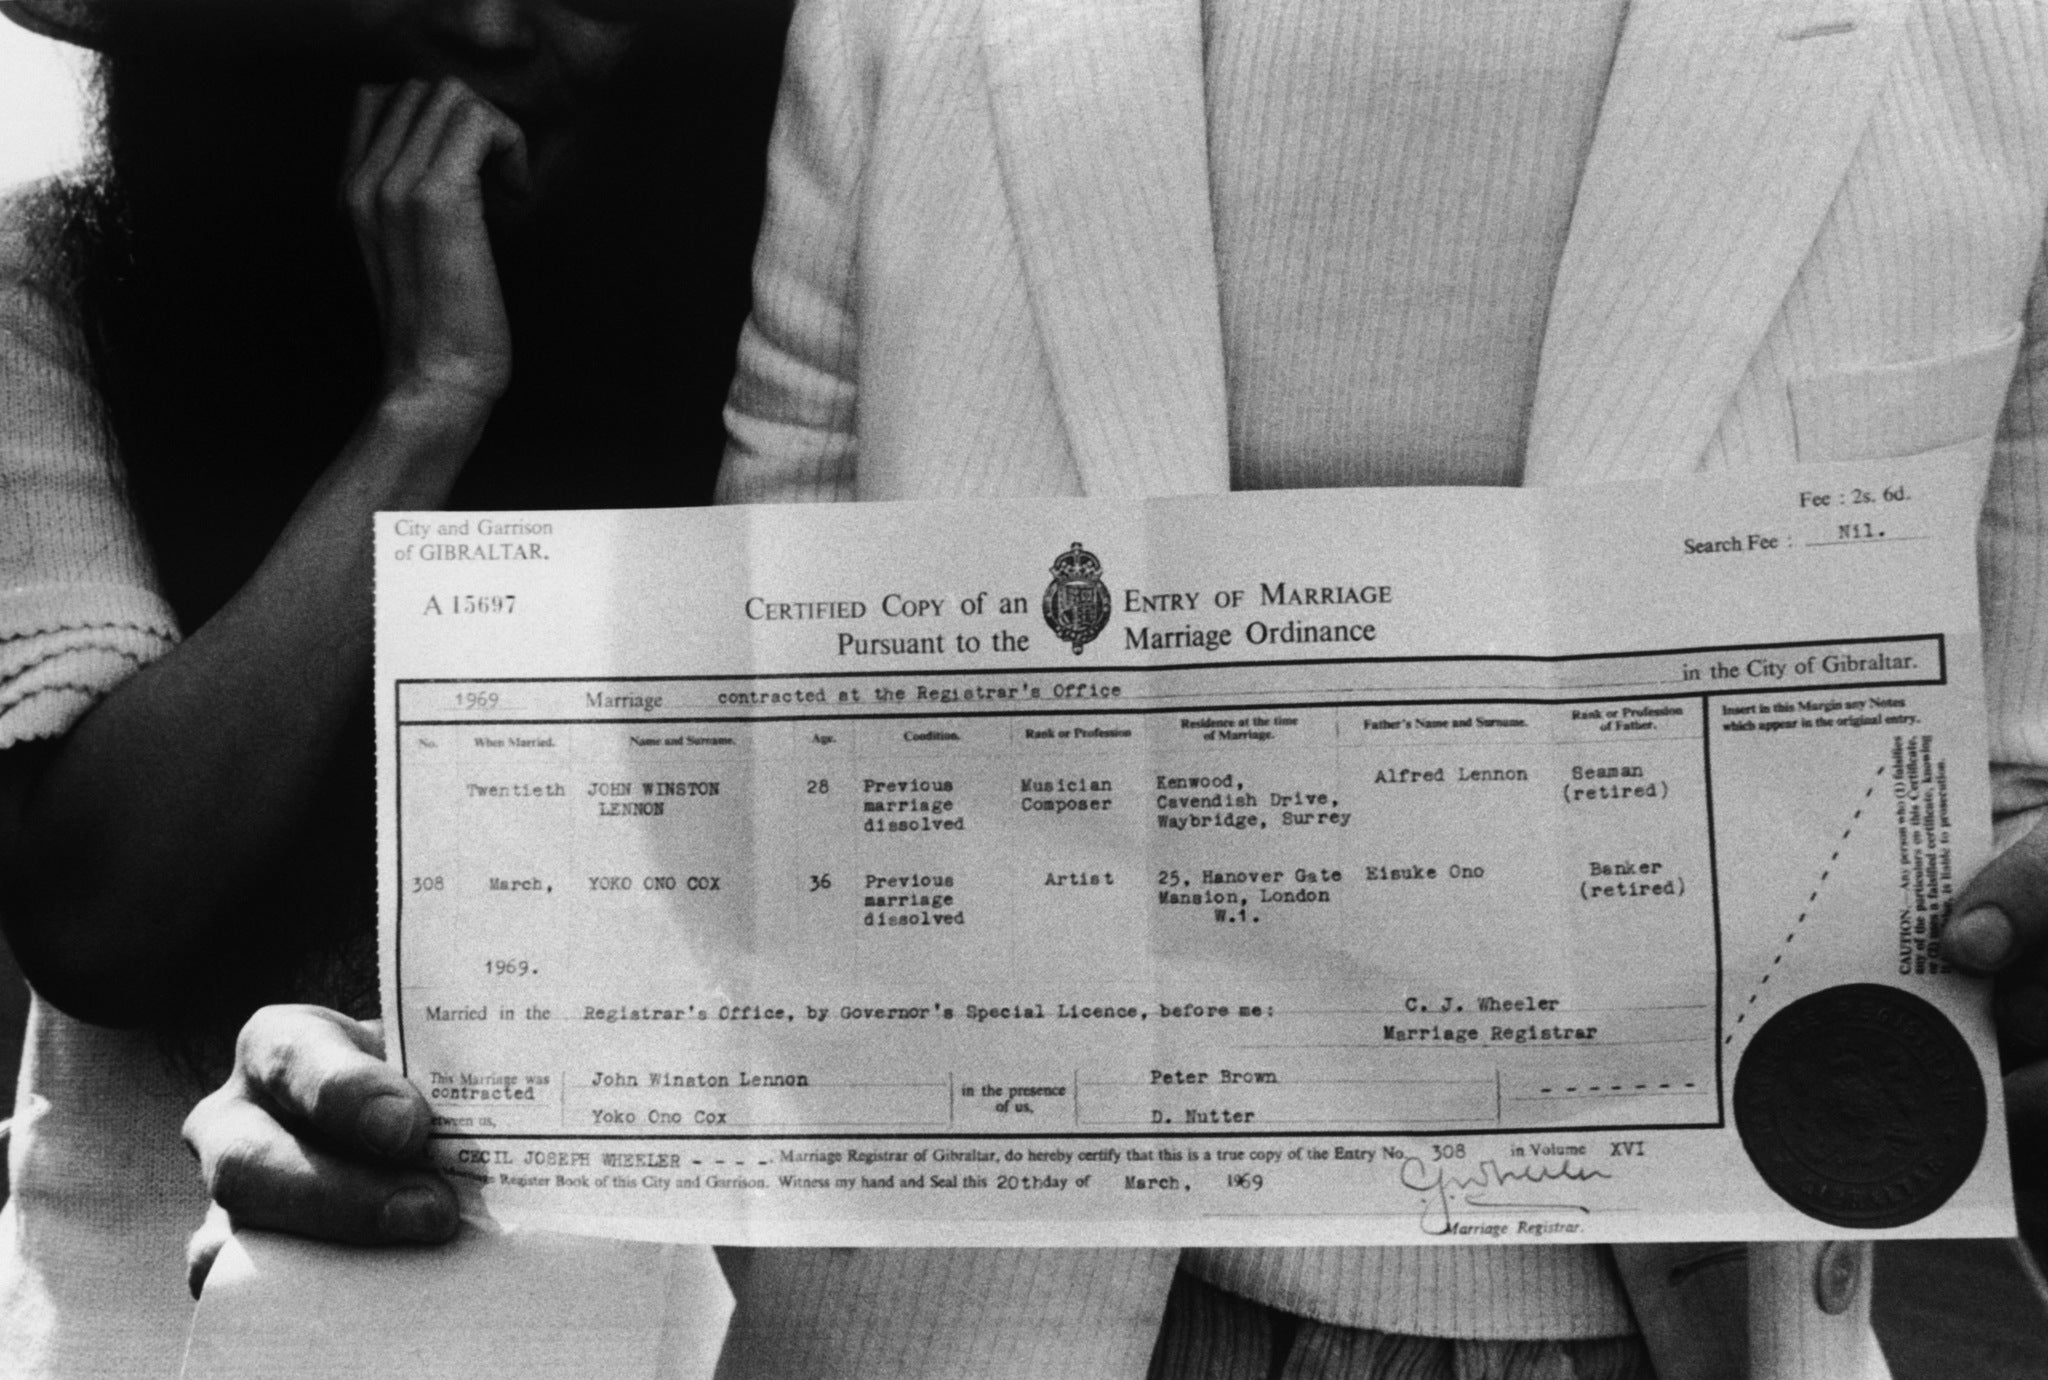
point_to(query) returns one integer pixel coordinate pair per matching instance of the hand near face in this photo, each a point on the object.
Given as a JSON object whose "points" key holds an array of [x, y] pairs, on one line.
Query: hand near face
{"points": [[424, 159], [1999, 929], [315, 1134]]}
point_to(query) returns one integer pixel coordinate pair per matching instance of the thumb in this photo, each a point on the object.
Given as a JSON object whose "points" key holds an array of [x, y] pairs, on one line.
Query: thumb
{"points": [[205, 1247], [1999, 922]]}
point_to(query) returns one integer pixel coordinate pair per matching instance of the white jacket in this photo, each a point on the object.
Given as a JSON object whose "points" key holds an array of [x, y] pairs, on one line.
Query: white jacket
{"points": [[1808, 230]]}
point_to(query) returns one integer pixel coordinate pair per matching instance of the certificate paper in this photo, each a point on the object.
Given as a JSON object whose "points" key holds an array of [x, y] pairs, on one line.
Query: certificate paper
{"points": [[1325, 867]]}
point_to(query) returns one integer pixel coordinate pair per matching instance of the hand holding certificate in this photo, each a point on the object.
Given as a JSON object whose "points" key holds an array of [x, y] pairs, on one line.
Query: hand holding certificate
{"points": [[1313, 868]]}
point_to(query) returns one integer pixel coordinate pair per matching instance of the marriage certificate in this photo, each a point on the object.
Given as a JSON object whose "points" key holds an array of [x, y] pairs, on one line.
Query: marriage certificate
{"points": [[1373, 866]]}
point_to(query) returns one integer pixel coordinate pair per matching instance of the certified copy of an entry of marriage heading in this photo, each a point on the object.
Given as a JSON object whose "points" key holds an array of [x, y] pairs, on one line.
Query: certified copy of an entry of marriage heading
{"points": [[1339, 866]]}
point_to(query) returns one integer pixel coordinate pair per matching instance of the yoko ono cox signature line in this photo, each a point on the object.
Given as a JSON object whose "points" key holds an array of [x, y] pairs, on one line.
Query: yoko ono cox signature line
{"points": [[1811, 897]]}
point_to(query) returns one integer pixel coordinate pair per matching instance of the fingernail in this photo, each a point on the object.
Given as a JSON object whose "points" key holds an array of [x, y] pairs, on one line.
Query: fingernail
{"points": [[414, 1214], [386, 1124], [1981, 938]]}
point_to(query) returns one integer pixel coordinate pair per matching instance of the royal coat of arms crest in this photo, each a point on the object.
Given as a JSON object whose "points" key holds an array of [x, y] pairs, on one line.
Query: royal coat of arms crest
{"points": [[1077, 602]]}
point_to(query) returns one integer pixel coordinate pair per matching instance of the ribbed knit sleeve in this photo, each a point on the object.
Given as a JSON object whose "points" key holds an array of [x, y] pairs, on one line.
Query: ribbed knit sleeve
{"points": [[79, 610]]}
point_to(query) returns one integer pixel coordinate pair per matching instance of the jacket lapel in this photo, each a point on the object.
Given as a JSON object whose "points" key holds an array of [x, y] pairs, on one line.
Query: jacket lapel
{"points": [[1727, 129], [1102, 136]]}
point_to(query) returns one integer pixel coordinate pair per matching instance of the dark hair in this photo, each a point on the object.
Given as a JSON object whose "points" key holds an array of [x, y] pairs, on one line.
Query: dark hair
{"points": [[233, 344]]}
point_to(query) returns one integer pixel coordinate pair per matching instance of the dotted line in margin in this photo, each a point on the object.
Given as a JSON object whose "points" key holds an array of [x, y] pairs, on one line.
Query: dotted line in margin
{"points": [[1812, 897]]}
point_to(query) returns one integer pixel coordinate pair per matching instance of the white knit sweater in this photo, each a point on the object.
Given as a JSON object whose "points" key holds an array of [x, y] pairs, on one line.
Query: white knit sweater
{"points": [[1385, 258], [1392, 186]]}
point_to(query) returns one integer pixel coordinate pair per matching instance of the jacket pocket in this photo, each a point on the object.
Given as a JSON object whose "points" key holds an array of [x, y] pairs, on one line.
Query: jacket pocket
{"points": [[1894, 411]]}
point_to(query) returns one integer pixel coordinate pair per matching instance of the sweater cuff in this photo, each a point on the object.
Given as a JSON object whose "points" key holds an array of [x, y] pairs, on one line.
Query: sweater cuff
{"points": [[63, 648]]}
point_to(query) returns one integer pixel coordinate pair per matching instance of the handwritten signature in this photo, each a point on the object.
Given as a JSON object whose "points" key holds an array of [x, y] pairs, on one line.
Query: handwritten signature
{"points": [[1441, 1191]]}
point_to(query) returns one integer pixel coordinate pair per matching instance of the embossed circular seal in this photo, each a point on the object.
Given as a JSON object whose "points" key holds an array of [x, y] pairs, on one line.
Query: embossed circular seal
{"points": [[1861, 1106]]}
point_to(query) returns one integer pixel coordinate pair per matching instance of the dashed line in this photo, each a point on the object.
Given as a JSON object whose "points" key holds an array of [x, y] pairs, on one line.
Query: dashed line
{"points": [[1811, 897], [1621, 1087]]}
